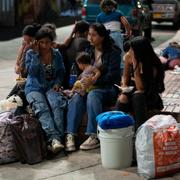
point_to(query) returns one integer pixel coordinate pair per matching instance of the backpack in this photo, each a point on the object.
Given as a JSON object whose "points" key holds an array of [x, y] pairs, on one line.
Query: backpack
{"points": [[7, 146], [29, 139]]}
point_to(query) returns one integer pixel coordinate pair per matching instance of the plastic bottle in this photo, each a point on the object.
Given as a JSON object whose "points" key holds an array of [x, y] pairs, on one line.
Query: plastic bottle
{"points": [[73, 75]]}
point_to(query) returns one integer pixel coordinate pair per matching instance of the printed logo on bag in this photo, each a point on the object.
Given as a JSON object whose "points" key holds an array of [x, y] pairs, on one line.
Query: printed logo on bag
{"points": [[167, 151]]}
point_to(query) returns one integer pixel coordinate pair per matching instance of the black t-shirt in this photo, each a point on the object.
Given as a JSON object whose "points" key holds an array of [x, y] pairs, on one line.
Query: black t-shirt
{"points": [[77, 45]]}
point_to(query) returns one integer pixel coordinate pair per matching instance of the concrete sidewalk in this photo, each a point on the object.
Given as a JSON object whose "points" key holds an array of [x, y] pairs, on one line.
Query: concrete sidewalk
{"points": [[79, 165]]}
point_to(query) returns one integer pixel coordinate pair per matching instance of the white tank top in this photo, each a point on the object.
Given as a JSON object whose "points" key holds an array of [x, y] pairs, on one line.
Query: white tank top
{"points": [[113, 26]]}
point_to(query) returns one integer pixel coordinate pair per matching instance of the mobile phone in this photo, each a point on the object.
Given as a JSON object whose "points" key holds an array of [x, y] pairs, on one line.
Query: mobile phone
{"points": [[127, 89], [117, 86]]}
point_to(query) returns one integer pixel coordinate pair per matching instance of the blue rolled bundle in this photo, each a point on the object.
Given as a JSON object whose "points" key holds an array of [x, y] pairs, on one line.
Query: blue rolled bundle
{"points": [[114, 120]]}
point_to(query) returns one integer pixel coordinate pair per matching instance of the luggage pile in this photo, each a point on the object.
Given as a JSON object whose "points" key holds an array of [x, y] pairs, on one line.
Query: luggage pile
{"points": [[21, 139]]}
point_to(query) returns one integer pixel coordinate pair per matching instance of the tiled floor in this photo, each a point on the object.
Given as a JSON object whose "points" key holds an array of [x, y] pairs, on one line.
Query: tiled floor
{"points": [[171, 95]]}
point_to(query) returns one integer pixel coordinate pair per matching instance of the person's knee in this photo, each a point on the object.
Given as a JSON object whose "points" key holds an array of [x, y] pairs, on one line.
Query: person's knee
{"points": [[94, 97], [54, 104], [76, 102], [37, 102], [57, 102], [39, 107], [122, 107], [76, 98], [138, 96]]}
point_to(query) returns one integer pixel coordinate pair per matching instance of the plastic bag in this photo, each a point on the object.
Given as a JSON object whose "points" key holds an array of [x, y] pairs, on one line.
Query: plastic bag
{"points": [[11, 103], [158, 147]]}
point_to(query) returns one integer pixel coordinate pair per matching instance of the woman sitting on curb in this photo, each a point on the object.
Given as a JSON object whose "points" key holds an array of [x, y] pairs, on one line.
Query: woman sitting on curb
{"points": [[28, 38], [145, 69], [107, 56], [45, 72]]}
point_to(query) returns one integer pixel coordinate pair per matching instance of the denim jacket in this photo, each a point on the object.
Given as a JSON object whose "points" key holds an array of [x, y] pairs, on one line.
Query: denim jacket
{"points": [[36, 80], [110, 71]]}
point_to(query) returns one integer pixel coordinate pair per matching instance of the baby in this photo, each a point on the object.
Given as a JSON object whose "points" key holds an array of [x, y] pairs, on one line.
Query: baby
{"points": [[89, 71]]}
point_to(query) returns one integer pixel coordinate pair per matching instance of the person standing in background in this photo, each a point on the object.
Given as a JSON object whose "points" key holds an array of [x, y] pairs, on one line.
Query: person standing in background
{"points": [[112, 20], [148, 28]]}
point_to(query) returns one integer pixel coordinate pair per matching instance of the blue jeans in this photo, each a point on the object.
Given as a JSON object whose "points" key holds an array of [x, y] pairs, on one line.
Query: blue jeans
{"points": [[93, 103], [118, 39], [49, 108]]}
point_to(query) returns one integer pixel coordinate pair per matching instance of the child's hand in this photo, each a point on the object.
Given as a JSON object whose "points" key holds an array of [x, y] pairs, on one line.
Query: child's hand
{"points": [[68, 93]]}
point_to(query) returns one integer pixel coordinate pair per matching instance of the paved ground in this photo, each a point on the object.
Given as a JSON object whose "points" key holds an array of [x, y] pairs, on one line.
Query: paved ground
{"points": [[76, 166]]}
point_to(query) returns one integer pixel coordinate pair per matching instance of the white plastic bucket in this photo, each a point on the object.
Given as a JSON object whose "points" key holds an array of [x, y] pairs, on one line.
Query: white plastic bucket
{"points": [[116, 147]]}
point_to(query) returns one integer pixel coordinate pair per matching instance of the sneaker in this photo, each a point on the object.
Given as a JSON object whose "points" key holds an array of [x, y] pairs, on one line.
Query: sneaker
{"points": [[91, 143], [55, 146], [70, 143]]}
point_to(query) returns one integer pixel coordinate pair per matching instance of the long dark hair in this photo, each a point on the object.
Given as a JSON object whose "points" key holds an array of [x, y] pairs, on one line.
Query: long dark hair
{"points": [[45, 32], [31, 29], [101, 30], [153, 72]]}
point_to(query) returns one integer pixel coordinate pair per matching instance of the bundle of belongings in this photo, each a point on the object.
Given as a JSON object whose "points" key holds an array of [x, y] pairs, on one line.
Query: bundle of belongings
{"points": [[21, 136], [11, 103], [158, 147]]}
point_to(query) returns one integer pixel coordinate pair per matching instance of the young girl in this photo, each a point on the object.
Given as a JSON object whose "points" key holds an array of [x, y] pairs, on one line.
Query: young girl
{"points": [[28, 36], [45, 72]]}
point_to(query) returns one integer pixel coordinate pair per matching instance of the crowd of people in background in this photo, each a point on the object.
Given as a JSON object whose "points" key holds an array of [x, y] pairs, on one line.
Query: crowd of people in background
{"points": [[98, 50]]}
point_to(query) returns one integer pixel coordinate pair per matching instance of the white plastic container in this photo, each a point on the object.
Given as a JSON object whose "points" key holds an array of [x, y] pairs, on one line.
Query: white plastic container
{"points": [[116, 147]]}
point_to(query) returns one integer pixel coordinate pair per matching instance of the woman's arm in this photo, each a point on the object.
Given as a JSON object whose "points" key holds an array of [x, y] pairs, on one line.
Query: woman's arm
{"points": [[67, 41], [126, 73], [90, 80], [127, 26], [110, 73], [19, 60], [96, 76]]}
